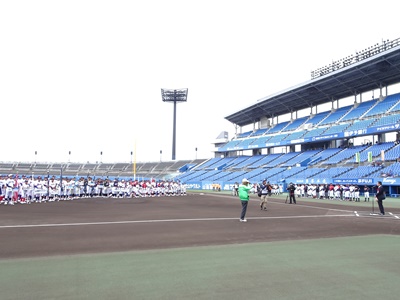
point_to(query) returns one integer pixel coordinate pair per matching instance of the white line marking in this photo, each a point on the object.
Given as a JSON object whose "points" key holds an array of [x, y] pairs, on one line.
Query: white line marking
{"points": [[162, 221], [310, 206]]}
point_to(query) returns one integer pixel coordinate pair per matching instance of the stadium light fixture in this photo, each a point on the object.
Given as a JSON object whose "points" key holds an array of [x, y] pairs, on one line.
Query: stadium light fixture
{"points": [[174, 96]]}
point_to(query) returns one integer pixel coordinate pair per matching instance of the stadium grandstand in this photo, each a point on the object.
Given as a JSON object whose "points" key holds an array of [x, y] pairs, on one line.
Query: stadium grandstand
{"points": [[141, 171], [319, 132]]}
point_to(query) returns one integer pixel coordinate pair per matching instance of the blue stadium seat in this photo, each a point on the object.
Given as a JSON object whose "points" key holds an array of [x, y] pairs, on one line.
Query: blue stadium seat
{"points": [[344, 154], [382, 107], [278, 127], [360, 110], [296, 124], [316, 119], [336, 115]]}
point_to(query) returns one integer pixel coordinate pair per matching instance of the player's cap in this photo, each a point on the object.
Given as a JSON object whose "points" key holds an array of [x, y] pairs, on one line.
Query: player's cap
{"points": [[244, 180]]}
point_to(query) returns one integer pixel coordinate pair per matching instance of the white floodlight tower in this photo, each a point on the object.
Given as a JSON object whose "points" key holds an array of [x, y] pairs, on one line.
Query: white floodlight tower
{"points": [[175, 96]]}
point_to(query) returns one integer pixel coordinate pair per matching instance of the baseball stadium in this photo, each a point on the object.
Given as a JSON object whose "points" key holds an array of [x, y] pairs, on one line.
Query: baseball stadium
{"points": [[171, 230]]}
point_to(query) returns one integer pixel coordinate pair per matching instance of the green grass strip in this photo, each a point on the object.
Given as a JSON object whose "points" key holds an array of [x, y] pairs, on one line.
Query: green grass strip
{"points": [[365, 267]]}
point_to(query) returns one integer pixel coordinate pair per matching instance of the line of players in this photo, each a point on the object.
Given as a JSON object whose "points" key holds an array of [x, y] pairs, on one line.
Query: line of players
{"points": [[348, 192], [28, 189]]}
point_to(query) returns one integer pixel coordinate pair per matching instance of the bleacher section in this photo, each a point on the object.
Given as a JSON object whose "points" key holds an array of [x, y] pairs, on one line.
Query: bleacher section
{"points": [[247, 161], [260, 132], [353, 119], [359, 111], [375, 152], [379, 160], [360, 172], [40, 168], [278, 127], [386, 120], [264, 161], [295, 124], [6, 168], [302, 159], [314, 132], [261, 141], [316, 119], [395, 98], [324, 155], [343, 155], [336, 129], [384, 106], [244, 134], [230, 145], [390, 171], [336, 115], [160, 170], [307, 166], [333, 172], [320, 165], [246, 143], [277, 138], [282, 159], [360, 125], [393, 154], [294, 135]]}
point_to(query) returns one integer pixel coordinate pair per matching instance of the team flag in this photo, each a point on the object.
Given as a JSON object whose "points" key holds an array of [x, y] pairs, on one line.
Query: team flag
{"points": [[369, 156], [358, 157]]}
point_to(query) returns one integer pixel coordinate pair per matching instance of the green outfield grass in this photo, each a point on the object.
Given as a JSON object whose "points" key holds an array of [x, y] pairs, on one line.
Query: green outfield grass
{"points": [[364, 267]]}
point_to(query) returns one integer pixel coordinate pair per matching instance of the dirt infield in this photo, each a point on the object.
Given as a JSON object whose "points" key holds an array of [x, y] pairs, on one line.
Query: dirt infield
{"points": [[112, 225]]}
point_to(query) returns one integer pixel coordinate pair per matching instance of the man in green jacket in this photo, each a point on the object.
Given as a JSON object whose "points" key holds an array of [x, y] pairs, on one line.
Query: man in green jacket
{"points": [[243, 191]]}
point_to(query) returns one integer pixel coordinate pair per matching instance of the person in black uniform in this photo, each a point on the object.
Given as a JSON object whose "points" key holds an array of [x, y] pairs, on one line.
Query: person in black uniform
{"points": [[291, 188], [366, 193], [380, 196]]}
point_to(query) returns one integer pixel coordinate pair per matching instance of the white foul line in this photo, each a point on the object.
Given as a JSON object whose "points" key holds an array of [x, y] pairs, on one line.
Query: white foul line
{"points": [[161, 221]]}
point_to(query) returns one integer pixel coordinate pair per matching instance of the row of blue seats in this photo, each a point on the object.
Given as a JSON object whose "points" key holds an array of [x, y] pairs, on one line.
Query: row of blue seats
{"points": [[285, 165], [326, 156], [275, 175], [349, 114]]}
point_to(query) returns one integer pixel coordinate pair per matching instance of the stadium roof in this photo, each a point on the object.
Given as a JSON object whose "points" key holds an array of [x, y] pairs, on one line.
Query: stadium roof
{"points": [[370, 73]]}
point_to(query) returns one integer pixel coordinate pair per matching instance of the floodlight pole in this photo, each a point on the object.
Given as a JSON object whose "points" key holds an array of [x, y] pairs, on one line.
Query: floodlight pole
{"points": [[174, 96], [174, 134]]}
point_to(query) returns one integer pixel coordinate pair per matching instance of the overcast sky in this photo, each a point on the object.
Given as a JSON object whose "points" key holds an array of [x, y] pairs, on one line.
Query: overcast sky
{"points": [[86, 76]]}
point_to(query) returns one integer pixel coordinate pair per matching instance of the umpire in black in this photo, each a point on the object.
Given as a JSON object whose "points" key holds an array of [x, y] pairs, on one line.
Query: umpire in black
{"points": [[291, 188], [380, 196]]}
